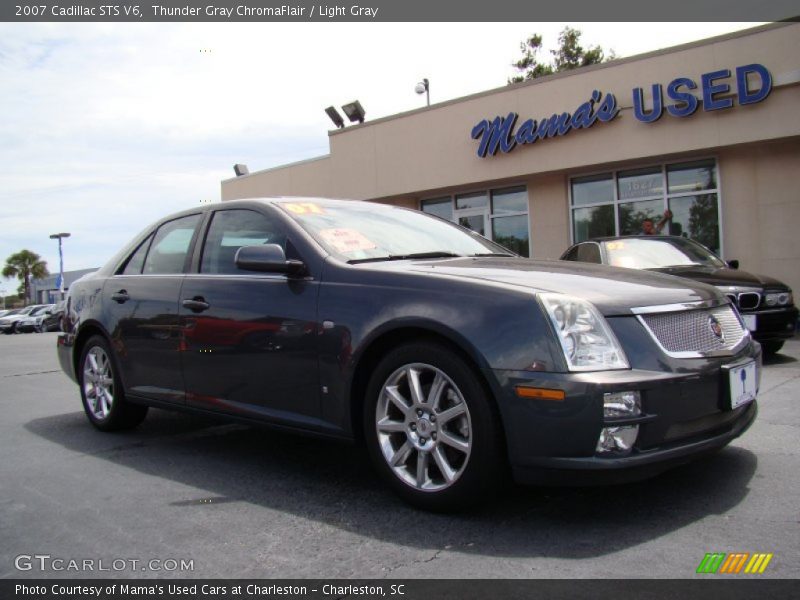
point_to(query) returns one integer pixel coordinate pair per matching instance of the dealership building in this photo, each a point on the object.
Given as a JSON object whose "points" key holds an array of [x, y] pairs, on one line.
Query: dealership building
{"points": [[709, 130]]}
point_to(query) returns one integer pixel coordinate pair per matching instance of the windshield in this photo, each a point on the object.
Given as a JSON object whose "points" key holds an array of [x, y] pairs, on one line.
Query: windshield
{"points": [[638, 253], [361, 232]]}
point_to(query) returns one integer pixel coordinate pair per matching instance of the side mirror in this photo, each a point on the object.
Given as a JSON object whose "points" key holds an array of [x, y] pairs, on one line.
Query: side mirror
{"points": [[733, 264], [267, 258]]}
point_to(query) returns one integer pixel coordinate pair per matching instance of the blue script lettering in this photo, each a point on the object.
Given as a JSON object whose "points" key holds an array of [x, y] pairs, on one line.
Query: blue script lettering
{"points": [[499, 134]]}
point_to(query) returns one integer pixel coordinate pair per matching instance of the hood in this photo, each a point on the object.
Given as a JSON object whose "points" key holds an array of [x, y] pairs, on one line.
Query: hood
{"points": [[613, 290], [723, 276]]}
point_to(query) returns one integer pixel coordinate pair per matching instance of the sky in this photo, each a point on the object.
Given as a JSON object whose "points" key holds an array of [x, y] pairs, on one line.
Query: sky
{"points": [[107, 127]]}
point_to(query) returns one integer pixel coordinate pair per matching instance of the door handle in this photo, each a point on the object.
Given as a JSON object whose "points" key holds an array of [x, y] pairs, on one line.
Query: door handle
{"points": [[196, 304], [121, 296]]}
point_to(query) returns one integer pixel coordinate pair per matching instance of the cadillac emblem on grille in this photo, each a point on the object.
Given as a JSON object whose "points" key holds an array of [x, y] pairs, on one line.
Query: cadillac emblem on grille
{"points": [[716, 328]]}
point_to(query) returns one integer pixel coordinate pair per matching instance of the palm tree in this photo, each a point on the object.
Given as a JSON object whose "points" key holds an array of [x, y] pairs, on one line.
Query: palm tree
{"points": [[25, 265]]}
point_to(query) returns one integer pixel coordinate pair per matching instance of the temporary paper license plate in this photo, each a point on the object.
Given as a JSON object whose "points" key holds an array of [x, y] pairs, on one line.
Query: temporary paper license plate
{"points": [[749, 322], [742, 381]]}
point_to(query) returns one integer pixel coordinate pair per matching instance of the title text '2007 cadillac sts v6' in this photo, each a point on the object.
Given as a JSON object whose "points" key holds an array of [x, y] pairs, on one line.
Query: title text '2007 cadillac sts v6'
{"points": [[454, 361]]}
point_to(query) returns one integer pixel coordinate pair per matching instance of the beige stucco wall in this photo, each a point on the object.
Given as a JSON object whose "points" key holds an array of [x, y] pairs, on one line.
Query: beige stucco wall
{"points": [[427, 150], [549, 216], [761, 208]]}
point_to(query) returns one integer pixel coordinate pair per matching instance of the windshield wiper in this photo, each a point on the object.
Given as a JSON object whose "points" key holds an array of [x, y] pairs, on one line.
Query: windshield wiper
{"points": [[491, 254], [436, 254]]}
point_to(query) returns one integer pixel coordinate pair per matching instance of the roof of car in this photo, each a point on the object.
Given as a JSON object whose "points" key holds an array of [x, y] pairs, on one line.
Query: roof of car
{"points": [[240, 202]]}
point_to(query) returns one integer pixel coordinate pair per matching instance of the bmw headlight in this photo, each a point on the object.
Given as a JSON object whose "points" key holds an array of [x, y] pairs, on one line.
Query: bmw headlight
{"points": [[778, 298], [585, 337]]}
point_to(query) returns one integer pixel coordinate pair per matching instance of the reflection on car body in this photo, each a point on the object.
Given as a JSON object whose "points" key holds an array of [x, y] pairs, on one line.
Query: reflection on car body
{"points": [[454, 361]]}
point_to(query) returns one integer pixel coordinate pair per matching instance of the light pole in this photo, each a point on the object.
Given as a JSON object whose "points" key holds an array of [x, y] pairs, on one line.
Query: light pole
{"points": [[59, 237], [424, 87]]}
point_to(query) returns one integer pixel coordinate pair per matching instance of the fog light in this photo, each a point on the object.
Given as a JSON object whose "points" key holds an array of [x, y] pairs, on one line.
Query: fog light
{"points": [[622, 404], [619, 439]]}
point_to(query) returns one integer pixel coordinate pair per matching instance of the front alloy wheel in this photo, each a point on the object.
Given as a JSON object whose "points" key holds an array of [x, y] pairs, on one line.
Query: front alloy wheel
{"points": [[432, 429], [423, 427]]}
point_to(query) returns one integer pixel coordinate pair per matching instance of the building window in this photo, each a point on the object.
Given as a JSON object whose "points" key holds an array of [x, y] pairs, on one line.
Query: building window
{"points": [[616, 203], [441, 207], [500, 215]]}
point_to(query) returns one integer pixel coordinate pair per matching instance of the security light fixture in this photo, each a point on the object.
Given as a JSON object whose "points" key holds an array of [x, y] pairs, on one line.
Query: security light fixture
{"points": [[335, 117], [424, 87], [354, 111], [241, 169]]}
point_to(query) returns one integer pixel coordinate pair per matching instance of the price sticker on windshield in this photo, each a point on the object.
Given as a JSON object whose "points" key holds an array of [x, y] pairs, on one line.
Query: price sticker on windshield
{"points": [[304, 208], [346, 240]]}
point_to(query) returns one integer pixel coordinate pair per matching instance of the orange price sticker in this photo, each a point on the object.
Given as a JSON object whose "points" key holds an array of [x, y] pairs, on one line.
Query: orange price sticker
{"points": [[304, 208]]}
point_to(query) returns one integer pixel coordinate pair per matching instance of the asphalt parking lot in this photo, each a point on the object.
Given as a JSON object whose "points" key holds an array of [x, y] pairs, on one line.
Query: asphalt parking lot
{"points": [[248, 503]]}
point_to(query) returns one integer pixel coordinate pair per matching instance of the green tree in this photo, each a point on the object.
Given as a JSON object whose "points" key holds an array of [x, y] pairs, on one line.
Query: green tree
{"points": [[25, 266], [569, 55]]}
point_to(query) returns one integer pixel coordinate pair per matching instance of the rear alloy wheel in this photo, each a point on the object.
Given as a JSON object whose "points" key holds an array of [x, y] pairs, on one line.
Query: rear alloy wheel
{"points": [[430, 428], [101, 391]]}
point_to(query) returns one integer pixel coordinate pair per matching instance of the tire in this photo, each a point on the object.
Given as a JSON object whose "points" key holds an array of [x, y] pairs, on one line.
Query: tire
{"points": [[772, 348], [101, 389], [441, 449]]}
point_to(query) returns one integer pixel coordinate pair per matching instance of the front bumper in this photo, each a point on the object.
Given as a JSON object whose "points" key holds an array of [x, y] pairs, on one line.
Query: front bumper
{"points": [[685, 413], [774, 324]]}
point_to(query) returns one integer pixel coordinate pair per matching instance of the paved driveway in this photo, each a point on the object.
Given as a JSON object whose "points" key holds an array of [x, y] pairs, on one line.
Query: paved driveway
{"points": [[242, 502]]}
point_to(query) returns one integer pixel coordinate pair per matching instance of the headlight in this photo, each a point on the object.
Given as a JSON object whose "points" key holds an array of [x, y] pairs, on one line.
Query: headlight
{"points": [[585, 337], [778, 298]]}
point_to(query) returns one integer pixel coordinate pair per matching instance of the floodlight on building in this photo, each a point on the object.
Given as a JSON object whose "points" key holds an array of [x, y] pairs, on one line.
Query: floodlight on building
{"points": [[354, 111], [335, 117], [424, 87], [240, 169]]}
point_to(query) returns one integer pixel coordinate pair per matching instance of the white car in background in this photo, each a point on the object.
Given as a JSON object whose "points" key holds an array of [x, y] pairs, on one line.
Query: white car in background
{"points": [[33, 322], [8, 323]]}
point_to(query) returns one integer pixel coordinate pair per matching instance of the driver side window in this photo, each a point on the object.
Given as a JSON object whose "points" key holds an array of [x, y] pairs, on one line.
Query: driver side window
{"points": [[232, 229], [589, 253]]}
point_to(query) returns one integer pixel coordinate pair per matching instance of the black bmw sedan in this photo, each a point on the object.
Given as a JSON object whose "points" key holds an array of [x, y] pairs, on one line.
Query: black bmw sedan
{"points": [[453, 361], [766, 305]]}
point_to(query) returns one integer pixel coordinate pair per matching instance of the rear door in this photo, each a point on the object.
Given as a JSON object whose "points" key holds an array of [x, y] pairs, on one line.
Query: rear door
{"points": [[250, 339], [142, 300]]}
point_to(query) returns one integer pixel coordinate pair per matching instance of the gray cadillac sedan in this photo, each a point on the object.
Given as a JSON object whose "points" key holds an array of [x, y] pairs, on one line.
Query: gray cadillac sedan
{"points": [[453, 361]]}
